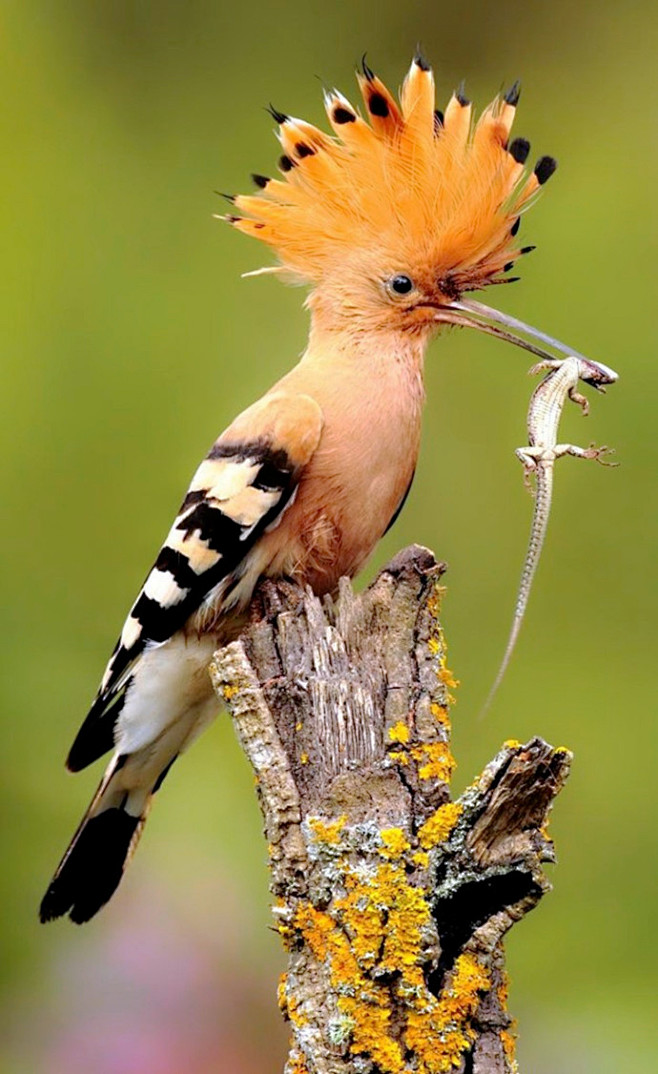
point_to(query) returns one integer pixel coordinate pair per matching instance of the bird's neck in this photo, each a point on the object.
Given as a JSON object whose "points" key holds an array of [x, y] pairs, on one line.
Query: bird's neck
{"points": [[370, 388], [346, 342]]}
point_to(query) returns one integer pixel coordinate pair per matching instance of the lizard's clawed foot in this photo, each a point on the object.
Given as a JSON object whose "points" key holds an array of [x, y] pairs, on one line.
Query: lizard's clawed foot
{"points": [[599, 453]]}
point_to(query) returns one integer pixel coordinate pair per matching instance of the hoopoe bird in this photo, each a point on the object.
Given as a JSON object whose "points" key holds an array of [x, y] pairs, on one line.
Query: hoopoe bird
{"points": [[391, 220]]}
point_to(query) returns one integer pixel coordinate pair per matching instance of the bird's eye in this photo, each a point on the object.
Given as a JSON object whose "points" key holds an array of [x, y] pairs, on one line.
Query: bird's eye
{"points": [[401, 284]]}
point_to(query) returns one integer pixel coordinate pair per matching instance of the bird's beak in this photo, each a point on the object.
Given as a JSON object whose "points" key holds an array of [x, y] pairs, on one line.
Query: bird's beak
{"points": [[468, 313]]}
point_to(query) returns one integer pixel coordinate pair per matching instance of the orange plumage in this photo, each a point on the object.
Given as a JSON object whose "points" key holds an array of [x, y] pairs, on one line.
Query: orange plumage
{"points": [[408, 188]]}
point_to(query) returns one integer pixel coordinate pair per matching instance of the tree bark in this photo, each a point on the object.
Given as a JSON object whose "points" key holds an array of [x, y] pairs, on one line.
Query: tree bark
{"points": [[391, 899]]}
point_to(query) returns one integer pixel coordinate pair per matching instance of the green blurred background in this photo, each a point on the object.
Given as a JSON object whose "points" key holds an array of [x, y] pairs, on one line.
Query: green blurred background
{"points": [[129, 340]]}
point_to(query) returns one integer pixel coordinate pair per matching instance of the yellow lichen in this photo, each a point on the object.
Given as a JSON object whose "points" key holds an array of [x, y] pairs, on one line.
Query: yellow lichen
{"points": [[364, 1005], [447, 678], [408, 914], [315, 927], [440, 713], [511, 744], [285, 932], [303, 758], [384, 905], [294, 1012], [399, 757], [370, 1035], [435, 761], [296, 1064], [439, 826], [439, 1031], [379, 905], [437, 644], [421, 858], [281, 994], [327, 831], [229, 692], [399, 732], [508, 1041], [394, 843]]}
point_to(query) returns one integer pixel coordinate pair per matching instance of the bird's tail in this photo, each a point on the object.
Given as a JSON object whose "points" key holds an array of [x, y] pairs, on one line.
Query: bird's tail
{"points": [[92, 867]]}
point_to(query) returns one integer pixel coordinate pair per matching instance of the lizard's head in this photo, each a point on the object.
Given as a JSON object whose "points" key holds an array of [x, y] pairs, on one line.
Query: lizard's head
{"points": [[597, 375]]}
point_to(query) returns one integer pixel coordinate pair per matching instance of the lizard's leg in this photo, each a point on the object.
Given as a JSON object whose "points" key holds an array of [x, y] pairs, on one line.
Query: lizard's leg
{"points": [[592, 452], [545, 366], [582, 402], [528, 456]]}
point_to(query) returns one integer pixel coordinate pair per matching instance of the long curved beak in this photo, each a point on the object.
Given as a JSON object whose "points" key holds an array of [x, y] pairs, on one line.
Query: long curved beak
{"points": [[467, 313]]}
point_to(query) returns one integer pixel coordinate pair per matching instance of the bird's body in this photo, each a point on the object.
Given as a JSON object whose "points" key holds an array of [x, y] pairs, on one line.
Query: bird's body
{"points": [[371, 405], [330, 434], [391, 225]]}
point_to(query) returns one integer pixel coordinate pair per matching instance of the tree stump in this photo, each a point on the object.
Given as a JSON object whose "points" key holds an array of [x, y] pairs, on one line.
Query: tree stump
{"points": [[392, 899]]}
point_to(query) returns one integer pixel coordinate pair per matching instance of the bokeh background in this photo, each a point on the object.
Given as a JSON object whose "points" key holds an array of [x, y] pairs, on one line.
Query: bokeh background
{"points": [[129, 340]]}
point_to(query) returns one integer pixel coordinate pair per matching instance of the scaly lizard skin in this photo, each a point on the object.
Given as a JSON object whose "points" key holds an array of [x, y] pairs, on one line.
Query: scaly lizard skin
{"points": [[546, 405]]}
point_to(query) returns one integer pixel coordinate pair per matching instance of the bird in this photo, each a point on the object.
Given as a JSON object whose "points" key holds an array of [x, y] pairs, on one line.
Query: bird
{"points": [[390, 221]]}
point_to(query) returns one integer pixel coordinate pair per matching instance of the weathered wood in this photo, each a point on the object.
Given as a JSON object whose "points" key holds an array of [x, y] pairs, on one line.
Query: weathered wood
{"points": [[392, 900]]}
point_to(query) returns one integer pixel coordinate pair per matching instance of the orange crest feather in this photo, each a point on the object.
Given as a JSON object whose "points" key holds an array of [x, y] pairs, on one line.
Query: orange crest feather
{"points": [[408, 187]]}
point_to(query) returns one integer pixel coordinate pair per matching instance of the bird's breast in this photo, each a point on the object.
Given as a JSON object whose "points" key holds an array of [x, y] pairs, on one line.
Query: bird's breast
{"points": [[352, 487]]}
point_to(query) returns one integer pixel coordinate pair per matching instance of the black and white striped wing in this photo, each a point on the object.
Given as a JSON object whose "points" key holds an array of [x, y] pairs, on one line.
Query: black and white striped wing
{"points": [[238, 492]]}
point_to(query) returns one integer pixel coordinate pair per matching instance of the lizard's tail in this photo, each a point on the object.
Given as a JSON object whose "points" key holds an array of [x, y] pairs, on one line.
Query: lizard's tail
{"points": [[538, 529]]}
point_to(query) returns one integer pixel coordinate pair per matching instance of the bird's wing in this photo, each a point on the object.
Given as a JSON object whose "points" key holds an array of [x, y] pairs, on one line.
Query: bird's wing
{"points": [[240, 490]]}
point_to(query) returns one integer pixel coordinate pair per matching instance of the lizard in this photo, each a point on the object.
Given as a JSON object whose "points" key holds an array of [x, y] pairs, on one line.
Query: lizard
{"points": [[538, 458]]}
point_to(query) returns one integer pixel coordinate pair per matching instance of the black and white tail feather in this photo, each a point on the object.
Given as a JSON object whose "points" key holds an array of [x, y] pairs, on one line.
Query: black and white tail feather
{"points": [[155, 696]]}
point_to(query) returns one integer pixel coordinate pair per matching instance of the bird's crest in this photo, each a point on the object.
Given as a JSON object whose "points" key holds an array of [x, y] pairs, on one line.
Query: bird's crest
{"points": [[410, 183]]}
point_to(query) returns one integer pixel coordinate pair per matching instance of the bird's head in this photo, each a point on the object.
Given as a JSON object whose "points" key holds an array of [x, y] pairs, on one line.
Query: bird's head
{"points": [[394, 220]]}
